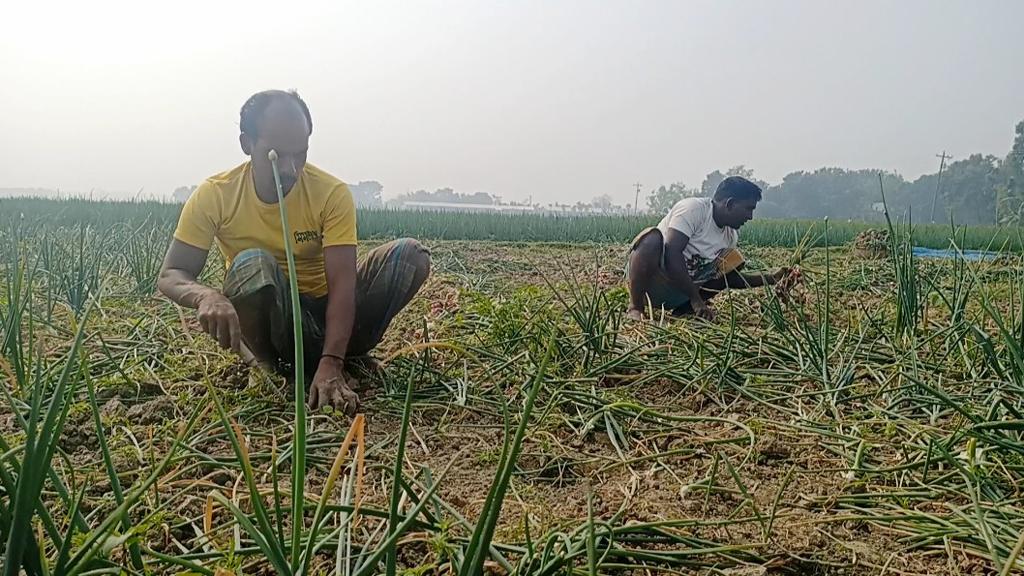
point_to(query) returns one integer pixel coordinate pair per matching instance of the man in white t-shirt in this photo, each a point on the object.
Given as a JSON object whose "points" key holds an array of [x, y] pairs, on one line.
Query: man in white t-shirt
{"points": [[691, 255]]}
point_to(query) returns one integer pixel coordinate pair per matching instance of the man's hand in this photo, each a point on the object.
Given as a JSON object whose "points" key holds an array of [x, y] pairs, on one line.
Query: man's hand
{"points": [[219, 319], [702, 310], [330, 387], [779, 275]]}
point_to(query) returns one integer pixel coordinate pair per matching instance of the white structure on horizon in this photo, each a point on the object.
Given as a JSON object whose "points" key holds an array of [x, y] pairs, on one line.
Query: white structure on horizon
{"points": [[556, 209], [466, 207]]}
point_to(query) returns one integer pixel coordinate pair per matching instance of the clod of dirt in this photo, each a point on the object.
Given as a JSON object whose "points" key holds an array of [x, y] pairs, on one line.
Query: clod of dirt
{"points": [[113, 407], [75, 436], [237, 377], [151, 412], [130, 390], [774, 449]]}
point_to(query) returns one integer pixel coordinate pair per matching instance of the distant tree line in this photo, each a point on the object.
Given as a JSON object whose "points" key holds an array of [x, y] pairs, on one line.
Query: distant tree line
{"points": [[446, 195], [978, 189]]}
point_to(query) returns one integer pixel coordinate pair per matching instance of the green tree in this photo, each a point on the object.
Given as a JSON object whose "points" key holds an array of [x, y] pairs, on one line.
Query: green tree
{"points": [[661, 200], [1010, 197], [833, 192], [712, 180], [602, 203], [970, 188], [181, 193], [446, 195], [367, 193]]}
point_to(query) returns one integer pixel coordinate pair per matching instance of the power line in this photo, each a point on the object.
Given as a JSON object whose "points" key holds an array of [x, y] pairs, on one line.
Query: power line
{"points": [[938, 184], [636, 201]]}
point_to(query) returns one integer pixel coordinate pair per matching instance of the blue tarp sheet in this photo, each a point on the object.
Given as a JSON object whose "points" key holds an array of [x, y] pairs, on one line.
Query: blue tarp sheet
{"points": [[969, 255]]}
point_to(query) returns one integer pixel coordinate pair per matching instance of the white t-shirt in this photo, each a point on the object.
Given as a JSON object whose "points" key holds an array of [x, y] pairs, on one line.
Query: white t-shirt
{"points": [[693, 217]]}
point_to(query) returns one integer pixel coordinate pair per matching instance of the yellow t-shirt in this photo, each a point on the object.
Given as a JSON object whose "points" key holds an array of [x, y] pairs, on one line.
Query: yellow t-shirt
{"points": [[226, 208]]}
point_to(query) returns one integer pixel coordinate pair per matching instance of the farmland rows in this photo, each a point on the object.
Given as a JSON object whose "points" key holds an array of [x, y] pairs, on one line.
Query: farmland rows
{"points": [[870, 422], [386, 223]]}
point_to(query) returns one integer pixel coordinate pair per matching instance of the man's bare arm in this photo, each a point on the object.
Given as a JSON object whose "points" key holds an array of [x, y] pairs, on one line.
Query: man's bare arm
{"points": [[329, 385], [179, 282], [737, 280], [180, 272], [340, 269], [675, 264], [756, 280], [678, 275]]}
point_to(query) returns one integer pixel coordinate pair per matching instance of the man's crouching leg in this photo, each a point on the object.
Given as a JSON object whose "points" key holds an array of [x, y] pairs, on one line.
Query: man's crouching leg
{"points": [[644, 263], [386, 280], [256, 287]]}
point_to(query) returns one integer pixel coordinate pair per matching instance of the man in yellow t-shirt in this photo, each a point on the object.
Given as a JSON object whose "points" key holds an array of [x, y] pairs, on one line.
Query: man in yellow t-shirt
{"points": [[346, 307]]}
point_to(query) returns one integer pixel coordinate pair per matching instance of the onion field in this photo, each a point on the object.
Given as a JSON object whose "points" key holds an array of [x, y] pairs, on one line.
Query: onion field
{"points": [[868, 421], [387, 223]]}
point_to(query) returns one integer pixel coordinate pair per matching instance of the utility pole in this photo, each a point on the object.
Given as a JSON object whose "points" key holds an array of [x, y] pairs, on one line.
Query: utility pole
{"points": [[938, 185], [636, 202]]}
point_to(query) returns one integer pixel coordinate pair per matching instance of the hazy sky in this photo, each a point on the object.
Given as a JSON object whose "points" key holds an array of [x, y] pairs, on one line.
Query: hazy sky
{"points": [[561, 100]]}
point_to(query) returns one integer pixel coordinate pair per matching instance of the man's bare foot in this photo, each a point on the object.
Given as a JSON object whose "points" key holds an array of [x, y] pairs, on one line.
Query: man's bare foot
{"points": [[634, 314]]}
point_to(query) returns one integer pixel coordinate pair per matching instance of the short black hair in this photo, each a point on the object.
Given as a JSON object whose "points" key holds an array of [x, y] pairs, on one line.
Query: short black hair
{"points": [[252, 111], [737, 188]]}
